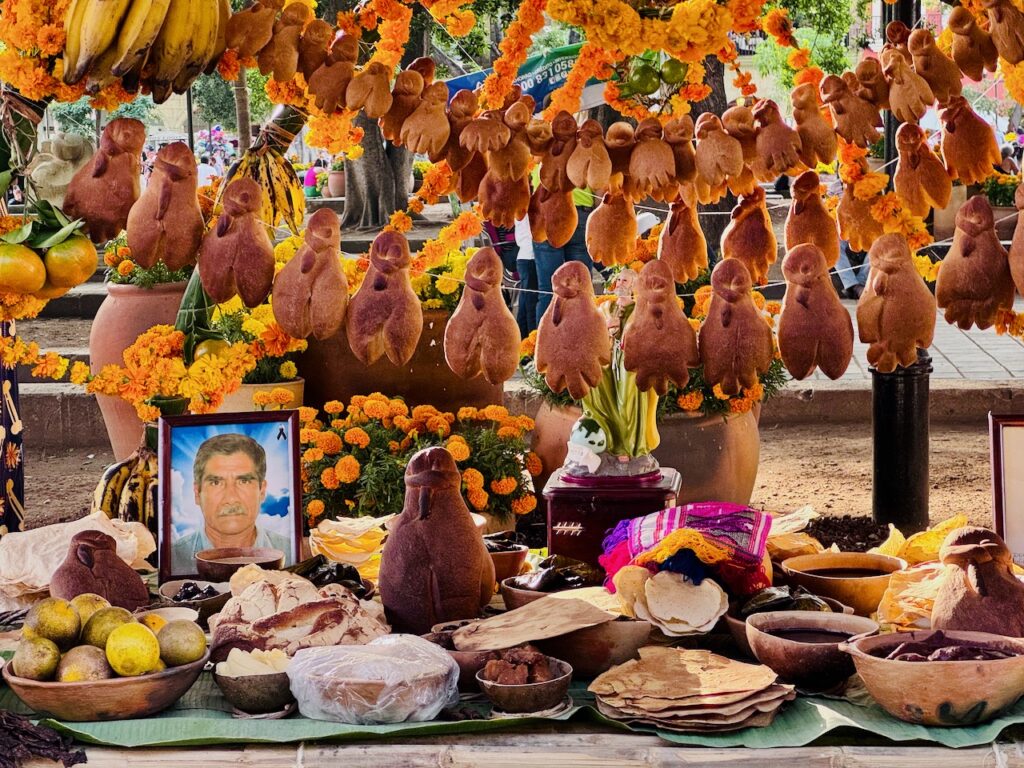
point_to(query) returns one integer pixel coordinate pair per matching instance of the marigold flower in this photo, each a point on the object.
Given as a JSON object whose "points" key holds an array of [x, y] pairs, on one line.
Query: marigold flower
{"points": [[314, 509], [261, 398], [472, 478], [357, 436], [334, 407], [329, 442], [495, 412], [524, 504], [504, 486], [312, 455], [691, 401], [740, 405], [477, 498], [458, 449], [281, 396], [288, 370], [718, 393], [347, 469], [79, 372], [329, 479], [510, 433], [376, 409], [467, 414], [125, 267], [534, 465], [799, 59], [307, 414]]}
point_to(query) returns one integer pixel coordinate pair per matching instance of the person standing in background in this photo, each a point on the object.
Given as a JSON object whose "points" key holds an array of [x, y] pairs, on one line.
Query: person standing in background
{"points": [[206, 171], [526, 309]]}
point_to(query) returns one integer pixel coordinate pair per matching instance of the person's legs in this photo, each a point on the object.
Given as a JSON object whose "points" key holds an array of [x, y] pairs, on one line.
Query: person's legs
{"points": [[546, 260], [526, 312], [576, 248]]}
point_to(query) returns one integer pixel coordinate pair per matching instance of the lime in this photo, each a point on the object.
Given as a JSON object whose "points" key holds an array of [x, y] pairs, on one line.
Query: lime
{"points": [[644, 79], [673, 71]]}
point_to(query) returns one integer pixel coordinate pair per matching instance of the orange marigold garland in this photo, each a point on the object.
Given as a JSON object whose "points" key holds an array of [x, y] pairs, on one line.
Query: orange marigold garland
{"points": [[778, 25], [591, 62], [529, 20]]}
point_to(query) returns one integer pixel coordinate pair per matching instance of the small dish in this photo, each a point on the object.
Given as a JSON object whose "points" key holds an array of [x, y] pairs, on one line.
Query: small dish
{"points": [[176, 613], [531, 697], [256, 694], [508, 564], [857, 579], [470, 662], [738, 626], [515, 597], [221, 564], [206, 607]]}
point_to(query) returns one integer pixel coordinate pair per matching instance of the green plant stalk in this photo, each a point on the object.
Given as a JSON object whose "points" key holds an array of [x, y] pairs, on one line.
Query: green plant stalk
{"points": [[620, 408]]}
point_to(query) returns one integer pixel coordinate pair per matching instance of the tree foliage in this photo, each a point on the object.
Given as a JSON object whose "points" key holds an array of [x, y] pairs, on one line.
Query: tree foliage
{"points": [[214, 100], [822, 26], [78, 117]]}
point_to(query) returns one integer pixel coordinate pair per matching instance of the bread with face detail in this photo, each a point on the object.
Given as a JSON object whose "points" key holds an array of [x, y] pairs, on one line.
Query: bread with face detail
{"points": [[856, 119], [405, 97], [1016, 255], [778, 145], [327, 85], [972, 48], [681, 244], [554, 164], [279, 58], [856, 224], [920, 180], [809, 221], [370, 91], [679, 136], [817, 138], [719, 157], [426, 130], [749, 236], [461, 110], [611, 231], [941, 72], [738, 122], [909, 93], [1006, 25], [871, 83], [590, 165], [969, 147]]}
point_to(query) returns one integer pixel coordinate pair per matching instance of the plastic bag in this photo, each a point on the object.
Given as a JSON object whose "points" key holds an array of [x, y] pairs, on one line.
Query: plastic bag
{"points": [[922, 547], [907, 602], [393, 679]]}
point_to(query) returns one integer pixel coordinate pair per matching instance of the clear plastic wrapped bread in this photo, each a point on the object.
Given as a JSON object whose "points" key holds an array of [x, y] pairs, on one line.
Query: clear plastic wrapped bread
{"points": [[394, 679]]}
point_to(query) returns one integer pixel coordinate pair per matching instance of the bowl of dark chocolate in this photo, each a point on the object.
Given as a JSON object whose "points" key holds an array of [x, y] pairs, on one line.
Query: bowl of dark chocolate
{"points": [[221, 563], [203, 596], [803, 647], [941, 677], [524, 680], [776, 598], [857, 579], [554, 574], [321, 571]]}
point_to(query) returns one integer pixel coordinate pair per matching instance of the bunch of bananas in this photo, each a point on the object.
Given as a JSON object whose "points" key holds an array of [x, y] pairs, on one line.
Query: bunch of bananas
{"points": [[128, 490], [283, 198], [161, 44]]}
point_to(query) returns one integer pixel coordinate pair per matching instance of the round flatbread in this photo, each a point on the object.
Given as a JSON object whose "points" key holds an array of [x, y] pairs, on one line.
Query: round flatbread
{"points": [[673, 598]]}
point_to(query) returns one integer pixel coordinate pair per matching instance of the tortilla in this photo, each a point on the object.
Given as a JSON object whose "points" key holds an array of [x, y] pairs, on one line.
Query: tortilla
{"points": [[757, 720], [596, 596], [547, 617], [672, 597], [657, 708], [629, 586]]}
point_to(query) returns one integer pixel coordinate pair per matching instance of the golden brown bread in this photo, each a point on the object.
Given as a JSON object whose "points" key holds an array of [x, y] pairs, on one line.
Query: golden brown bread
{"points": [[511, 161], [405, 97], [554, 173], [328, 83], [749, 236], [573, 345], [619, 141], [941, 72], [486, 133], [313, 46], [280, 57], [681, 244], [856, 224], [738, 122], [539, 135], [897, 35], [461, 110], [972, 48], [679, 135], [502, 201], [856, 119], [909, 93], [370, 90], [920, 180], [871, 83], [1016, 255], [590, 166], [815, 330], [719, 157], [658, 345], [735, 341], [969, 147], [385, 316], [250, 29], [426, 67], [778, 145], [1006, 25], [469, 179], [482, 336], [651, 163], [896, 312], [553, 216], [427, 129], [809, 221], [611, 231], [974, 282], [92, 566], [817, 137]]}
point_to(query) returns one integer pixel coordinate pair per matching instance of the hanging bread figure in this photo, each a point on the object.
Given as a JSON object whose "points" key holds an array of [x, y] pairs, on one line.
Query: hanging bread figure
{"points": [[817, 138], [778, 145], [897, 35], [250, 29], [941, 72], [651, 163], [461, 110], [920, 180], [280, 57], [815, 330], [573, 345], [809, 221], [749, 236], [972, 47], [313, 46], [681, 244], [405, 97], [554, 165], [469, 179], [735, 342], [482, 336], [553, 216], [857, 226], [974, 283], [619, 140], [103, 191], [370, 90], [311, 293], [611, 231], [871, 83], [679, 136], [856, 119], [1016, 256], [1006, 25], [511, 161], [738, 122], [426, 130], [503, 201], [237, 255], [589, 165], [166, 224], [659, 345], [329, 82], [486, 133], [969, 148], [896, 312], [718, 157], [539, 136], [909, 93]]}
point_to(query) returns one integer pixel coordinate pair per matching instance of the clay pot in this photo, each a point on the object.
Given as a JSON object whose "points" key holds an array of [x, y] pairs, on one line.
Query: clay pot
{"points": [[256, 694], [508, 564], [1004, 216], [127, 312], [862, 593], [593, 650], [944, 219], [716, 456], [532, 697], [335, 184], [332, 372], [240, 400]]}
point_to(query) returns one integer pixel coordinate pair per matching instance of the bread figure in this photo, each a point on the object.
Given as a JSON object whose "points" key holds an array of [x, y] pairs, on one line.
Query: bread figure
{"points": [[426, 67], [482, 336], [909, 93], [573, 344], [280, 57], [503, 201], [165, 224], [619, 139], [940, 71], [511, 161], [809, 221], [1016, 255], [554, 173], [435, 567], [1006, 25], [969, 148], [856, 224], [749, 237], [975, 281], [972, 48], [487, 133], [405, 97], [659, 345], [370, 90], [539, 135], [652, 165], [896, 312], [897, 35], [611, 231], [461, 110], [426, 130], [589, 165], [718, 156], [735, 342], [329, 82], [817, 137], [250, 29], [871, 83], [738, 122], [679, 136], [237, 255], [856, 119], [311, 293], [815, 329], [93, 566], [681, 244], [313, 46], [469, 179], [980, 591], [920, 180], [553, 216], [778, 145], [103, 191]]}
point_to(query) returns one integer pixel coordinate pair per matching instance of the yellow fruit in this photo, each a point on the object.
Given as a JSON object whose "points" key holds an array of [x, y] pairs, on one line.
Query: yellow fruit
{"points": [[50, 291], [102, 623], [181, 642], [70, 263], [36, 658], [86, 662], [160, 667], [87, 604], [211, 347], [56, 620], [154, 623], [132, 650], [21, 269]]}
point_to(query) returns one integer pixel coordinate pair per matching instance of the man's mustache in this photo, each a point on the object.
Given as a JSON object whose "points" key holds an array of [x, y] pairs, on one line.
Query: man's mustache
{"points": [[231, 511]]}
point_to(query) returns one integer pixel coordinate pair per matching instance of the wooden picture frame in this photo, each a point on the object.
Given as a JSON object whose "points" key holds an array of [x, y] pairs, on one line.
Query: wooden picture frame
{"points": [[1007, 435], [279, 493]]}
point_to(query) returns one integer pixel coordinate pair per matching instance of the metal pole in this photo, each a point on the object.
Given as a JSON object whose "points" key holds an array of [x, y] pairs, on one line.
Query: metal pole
{"points": [[188, 120]]}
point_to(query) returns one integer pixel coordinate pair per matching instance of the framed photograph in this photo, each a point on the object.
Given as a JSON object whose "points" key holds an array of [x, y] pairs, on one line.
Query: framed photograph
{"points": [[1007, 433], [228, 480]]}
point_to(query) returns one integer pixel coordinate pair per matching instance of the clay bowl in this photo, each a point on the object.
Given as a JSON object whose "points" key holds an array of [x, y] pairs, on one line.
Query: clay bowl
{"points": [[862, 593], [206, 607], [515, 597], [507, 564], [470, 662], [120, 698], [811, 666], [949, 693], [597, 649], [220, 564], [532, 697], [738, 627], [256, 694]]}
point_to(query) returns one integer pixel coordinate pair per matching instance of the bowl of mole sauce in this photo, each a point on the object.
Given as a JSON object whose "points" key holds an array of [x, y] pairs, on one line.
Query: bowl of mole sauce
{"points": [[856, 579], [802, 647]]}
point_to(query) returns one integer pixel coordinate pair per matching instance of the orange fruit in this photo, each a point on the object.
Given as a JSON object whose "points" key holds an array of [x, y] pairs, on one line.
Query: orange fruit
{"points": [[49, 291], [70, 263], [21, 269]]}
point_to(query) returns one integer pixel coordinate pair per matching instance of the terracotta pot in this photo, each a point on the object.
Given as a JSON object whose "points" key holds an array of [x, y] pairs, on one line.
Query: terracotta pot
{"points": [[127, 312], [332, 372], [716, 456], [944, 219], [1005, 220], [240, 400], [335, 184]]}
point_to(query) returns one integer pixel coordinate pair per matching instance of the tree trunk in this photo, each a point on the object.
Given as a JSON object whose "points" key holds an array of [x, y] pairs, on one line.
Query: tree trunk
{"points": [[371, 191], [713, 220], [241, 93]]}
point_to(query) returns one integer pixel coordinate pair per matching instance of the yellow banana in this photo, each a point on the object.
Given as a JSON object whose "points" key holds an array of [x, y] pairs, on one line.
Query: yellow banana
{"points": [[100, 76], [130, 503], [72, 28], [224, 11], [108, 490], [98, 30], [141, 26], [172, 47], [204, 43]]}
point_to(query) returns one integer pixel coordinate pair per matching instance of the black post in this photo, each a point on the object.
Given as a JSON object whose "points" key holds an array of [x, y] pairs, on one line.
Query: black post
{"points": [[188, 120]]}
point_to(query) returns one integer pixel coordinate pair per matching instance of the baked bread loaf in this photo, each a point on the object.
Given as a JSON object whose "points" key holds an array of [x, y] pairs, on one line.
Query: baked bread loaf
{"points": [[972, 48], [679, 136], [856, 224], [652, 166], [250, 29], [589, 165], [313, 46], [1006, 25], [426, 130], [719, 157], [738, 122], [778, 145], [93, 566], [370, 90], [809, 221], [856, 119], [909, 93], [554, 165], [920, 180], [553, 216], [749, 236], [461, 110], [1016, 255], [939, 71], [681, 244], [611, 231], [406, 95], [871, 83], [511, 161], [619, 140], [502, 201], [279, 58], [327, 85], [969, 147], [817, 137]]}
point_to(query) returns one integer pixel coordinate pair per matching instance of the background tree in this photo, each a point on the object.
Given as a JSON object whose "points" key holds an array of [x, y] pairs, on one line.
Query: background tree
{"points": [[215, 103], [78, 117]]}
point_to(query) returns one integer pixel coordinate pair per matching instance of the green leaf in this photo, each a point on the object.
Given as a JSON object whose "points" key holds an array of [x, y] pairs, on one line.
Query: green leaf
{"points": [[5, 182], [47, 239], [19, 235]]}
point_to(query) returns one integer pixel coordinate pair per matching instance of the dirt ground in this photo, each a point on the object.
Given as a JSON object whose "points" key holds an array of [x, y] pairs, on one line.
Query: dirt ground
{"points": [[801, 464], [64, 332]]}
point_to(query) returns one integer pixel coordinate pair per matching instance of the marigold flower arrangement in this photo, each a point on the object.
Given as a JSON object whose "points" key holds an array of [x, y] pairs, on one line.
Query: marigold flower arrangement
{"points": [[122, 270], [273, 349], [354, 456]]}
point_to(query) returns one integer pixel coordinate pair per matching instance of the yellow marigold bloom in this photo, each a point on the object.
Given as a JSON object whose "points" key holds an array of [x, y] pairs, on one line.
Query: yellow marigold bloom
{"points": [[403, 423], [307, 414], [376, 409], [773, 307], [528, 346], [357, 436], [759, 300], [329, 443], [312, 455], [357, 401], [79, 372], [478, 498], [458, 449], [398, 408], [125, 268], [347, 469], [309, 435], [495, 412], [525, 423], [534, 465], [281, 396], [438, 425], [755, 392], [504, 486], [334, 407], [717, 389], [329, 479], [472, 478], [524, 505], [691, 401], [694, 323], [261, 398], [110, 258], [379, 397], [339, 424], [509, 433], [466, 413], [314, 509], [394, 446], [288, 370]]}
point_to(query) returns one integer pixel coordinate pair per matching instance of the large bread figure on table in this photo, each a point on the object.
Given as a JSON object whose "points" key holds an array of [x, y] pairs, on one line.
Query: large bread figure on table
{"points": [[93, 566], [435, 567], [104, 190]]}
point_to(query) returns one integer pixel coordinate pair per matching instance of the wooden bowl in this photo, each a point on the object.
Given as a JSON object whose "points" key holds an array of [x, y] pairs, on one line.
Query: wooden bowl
{"points": [[593, 650], [220, 564], [738, 627], [256, 694], [120, 698], [531, 697], [206, 607], [507, 564], [811, 666], [949, 693], [470, 662], [862, 593], [515, 597]]}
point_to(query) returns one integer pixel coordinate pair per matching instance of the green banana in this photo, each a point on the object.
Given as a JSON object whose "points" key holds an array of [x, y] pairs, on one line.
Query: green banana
{"points": [[97, 32], [141, 26]]}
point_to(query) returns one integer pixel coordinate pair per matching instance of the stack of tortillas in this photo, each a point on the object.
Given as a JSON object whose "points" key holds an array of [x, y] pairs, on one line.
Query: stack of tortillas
{"points": [[670, 601], [690, 690]]}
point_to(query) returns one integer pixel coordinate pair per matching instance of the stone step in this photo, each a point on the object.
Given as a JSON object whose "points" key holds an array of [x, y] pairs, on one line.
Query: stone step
{"points": [[82, 301]]}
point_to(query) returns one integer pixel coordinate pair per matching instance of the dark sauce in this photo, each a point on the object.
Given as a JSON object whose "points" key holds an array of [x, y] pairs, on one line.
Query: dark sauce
{"points": [[847, 573], [809, 635]]}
